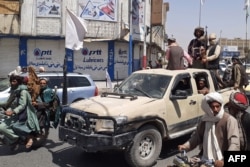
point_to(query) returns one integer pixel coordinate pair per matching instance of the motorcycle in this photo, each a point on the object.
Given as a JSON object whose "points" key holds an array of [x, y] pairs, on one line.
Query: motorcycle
{"points": [[38, 139], [183, 160]]}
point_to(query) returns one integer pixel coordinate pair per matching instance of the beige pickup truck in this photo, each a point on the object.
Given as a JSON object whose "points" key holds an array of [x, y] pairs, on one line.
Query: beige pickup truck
{"points": [[148, 107]]}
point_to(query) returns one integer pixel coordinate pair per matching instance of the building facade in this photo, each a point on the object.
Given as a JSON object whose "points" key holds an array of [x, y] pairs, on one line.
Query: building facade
{"points": [[236, 46], [33, 33]]}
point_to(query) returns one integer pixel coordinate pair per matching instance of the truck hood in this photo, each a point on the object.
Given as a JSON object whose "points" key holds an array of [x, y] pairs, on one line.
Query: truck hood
{"points": [[112, 105]]}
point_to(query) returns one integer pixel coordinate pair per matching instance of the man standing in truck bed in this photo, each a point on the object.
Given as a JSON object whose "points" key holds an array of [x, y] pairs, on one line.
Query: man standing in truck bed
{"points": [[213, 57], [174, 55]]}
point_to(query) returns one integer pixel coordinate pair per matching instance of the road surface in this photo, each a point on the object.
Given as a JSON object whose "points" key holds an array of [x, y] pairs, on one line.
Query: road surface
{"points": [[59, 154]]}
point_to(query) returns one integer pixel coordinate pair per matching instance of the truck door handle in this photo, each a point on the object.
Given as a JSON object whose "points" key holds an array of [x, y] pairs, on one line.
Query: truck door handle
{"points": [[192, 102]]}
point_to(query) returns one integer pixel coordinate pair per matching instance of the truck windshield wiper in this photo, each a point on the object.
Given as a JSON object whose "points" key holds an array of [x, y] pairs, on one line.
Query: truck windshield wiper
{"points": [[105, 94], [145, 93]]}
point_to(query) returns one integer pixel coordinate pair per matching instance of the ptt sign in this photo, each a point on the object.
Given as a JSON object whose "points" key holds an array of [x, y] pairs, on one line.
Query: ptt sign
{"points": [[38, 52], [121, 52], [87, 52]]}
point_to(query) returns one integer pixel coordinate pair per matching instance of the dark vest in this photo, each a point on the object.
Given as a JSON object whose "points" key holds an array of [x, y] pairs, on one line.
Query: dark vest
{"points": [[214, 64], [194, 47], [176, 61]]}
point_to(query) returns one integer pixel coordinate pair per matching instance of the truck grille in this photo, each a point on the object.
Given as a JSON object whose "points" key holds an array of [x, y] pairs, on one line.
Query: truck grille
{"points": [[84, 122], [79, 123], [78, 120]]}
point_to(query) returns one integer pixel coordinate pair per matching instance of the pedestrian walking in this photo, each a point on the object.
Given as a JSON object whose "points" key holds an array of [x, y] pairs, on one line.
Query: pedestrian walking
{"points": [[239, 77], [17, 71], [41, 69]]}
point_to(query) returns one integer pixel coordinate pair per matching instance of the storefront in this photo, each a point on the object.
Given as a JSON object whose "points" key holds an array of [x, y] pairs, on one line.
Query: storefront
{"points": [[94, 58], [9, 55]]}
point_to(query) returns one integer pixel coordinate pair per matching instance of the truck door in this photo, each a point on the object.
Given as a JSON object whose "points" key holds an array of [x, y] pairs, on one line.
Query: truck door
{"points": [[201, 83], [183, 108]]}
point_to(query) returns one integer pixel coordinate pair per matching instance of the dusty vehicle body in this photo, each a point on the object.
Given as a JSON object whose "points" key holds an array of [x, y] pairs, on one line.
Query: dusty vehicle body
{"points": [[145, 109]]}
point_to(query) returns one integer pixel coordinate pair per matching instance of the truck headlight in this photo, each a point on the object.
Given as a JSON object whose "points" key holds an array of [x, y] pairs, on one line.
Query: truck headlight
{"points": [[67, 118], [109, 124]]}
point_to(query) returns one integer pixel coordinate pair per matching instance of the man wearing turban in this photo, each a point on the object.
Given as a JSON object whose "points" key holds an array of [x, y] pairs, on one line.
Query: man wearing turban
{"points": [[238, 103], [217, 132]]}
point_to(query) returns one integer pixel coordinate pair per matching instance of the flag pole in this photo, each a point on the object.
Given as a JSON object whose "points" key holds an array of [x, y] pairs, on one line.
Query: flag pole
{"points": [[246, 50], [130, 40], [200, 14], [75, 30], [65, 92], [106, 82], [144, 57], [247, 14]]}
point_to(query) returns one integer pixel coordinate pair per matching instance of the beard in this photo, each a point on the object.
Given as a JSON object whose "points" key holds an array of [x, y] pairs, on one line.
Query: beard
{"points": [[43, 87], [13, 87], [212, 42]]}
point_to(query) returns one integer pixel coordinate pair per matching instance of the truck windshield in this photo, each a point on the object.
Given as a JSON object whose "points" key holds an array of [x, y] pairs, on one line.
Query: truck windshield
{"points": [[150, 85]]}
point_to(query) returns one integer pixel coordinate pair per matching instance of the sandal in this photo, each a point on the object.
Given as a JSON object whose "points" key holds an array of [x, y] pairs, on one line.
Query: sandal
{"points": [[29, 143]]}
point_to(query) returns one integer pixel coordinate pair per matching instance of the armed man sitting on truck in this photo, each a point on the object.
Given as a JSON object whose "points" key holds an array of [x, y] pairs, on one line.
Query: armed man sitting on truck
{"points": [[212, 59]]}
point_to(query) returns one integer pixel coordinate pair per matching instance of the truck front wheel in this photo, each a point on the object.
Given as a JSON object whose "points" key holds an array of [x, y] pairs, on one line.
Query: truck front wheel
{"points": [[145, 149]]}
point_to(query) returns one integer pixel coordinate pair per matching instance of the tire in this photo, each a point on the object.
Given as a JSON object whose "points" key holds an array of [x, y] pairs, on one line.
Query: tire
{"points": [[145, 149]]}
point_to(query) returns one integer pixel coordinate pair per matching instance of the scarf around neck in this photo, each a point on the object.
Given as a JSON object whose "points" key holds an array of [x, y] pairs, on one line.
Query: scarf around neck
{"points": [[211, 149]]}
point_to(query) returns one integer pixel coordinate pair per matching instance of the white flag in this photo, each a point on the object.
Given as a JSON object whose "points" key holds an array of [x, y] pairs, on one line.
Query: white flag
{"points": [[246, 6], [202, 2], [108, 80], [75, 31]]}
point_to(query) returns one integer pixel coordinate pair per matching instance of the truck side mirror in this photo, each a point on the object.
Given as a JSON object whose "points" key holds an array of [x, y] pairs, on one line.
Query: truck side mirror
{"points": [[179, 94], [116, 87]]}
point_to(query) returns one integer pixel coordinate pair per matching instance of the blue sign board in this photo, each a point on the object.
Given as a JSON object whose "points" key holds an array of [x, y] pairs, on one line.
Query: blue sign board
{"points": [[230, 53]]}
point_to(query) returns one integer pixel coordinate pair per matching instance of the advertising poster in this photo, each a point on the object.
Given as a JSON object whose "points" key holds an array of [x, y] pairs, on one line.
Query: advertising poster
{"points": [[103, 10], [138, 19], [46, 53], [92, 59], [121, 60], [48, 8]]}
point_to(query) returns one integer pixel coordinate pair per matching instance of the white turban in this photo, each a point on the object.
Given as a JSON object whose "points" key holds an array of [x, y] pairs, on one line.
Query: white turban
{"points": [[209, 115]]}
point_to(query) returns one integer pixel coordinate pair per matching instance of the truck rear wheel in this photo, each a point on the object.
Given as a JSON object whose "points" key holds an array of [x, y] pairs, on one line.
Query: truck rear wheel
{"points": [[145, 149]]}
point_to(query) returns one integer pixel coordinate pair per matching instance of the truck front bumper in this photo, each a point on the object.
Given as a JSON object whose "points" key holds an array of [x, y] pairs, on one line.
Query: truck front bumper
{"points": [[95, 142]]}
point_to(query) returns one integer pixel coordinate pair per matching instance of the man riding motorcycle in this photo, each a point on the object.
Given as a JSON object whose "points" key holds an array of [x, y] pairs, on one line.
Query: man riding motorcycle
{"points": [[22, 121], [43, 106]]}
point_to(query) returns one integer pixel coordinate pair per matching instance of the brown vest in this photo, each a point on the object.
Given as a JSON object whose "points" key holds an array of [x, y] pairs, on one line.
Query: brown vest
{"points": [[176, 58]]}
